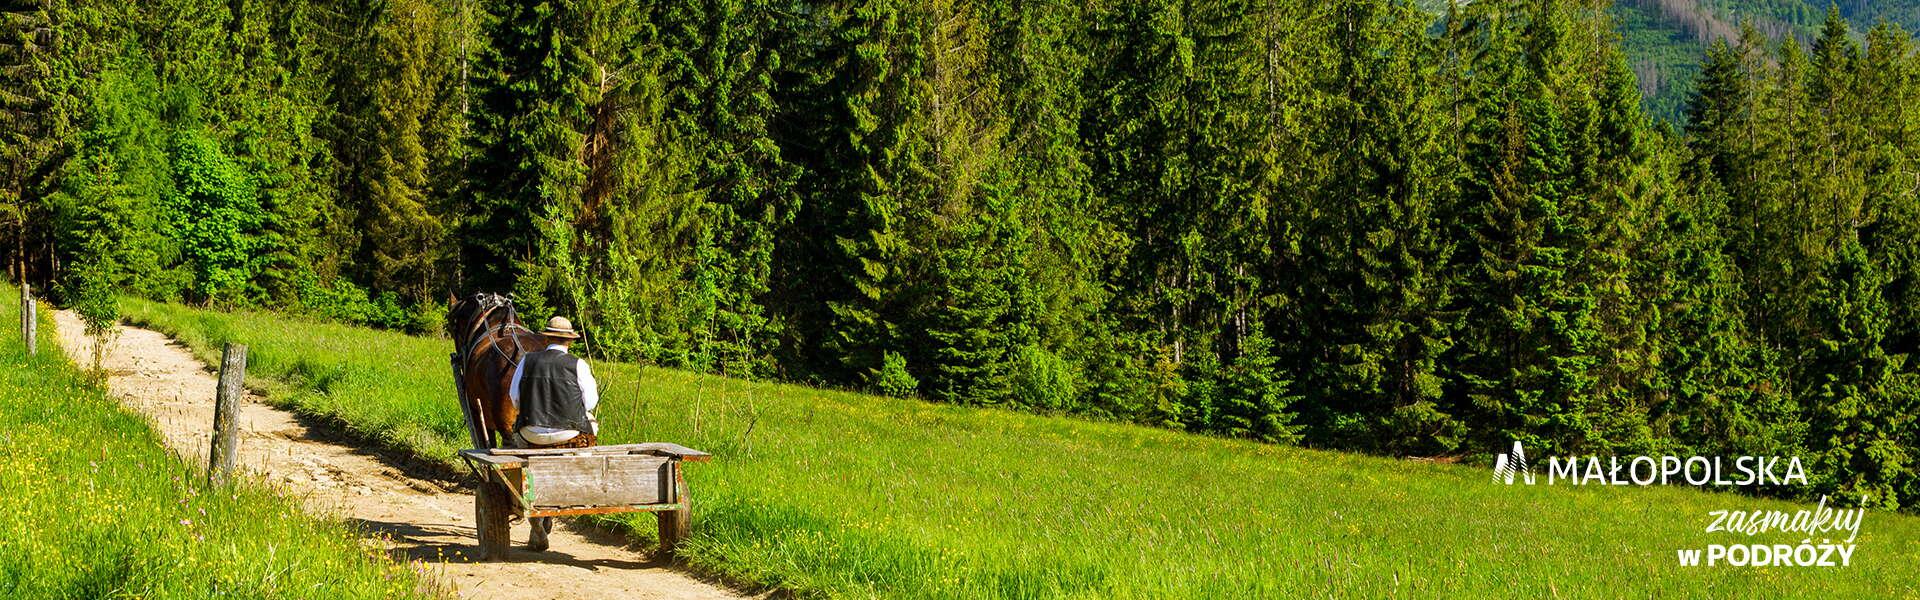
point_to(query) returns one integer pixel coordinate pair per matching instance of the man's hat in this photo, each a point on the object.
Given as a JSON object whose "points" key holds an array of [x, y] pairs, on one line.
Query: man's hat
{"points": [[560, 327]]}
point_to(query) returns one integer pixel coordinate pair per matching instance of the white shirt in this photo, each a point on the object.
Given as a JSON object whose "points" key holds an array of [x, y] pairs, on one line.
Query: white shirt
{"points": [[590, 397]]}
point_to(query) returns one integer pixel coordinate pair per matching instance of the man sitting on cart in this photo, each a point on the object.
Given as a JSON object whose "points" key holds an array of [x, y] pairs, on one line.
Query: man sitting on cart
{"points": [[555, 394]]}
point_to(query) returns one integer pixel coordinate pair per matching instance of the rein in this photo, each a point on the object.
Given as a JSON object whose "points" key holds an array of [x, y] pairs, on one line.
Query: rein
{"points": [[482, 333], [488, 334]]}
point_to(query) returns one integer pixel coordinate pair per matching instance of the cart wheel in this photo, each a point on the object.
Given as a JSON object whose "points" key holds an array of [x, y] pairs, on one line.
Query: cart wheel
{"points": [[673, 528], [491, 513], [675, 525]]}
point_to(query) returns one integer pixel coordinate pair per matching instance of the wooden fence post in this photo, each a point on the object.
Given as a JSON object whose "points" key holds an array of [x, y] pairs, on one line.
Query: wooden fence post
{"points": [[226, 417], [28, 317]]}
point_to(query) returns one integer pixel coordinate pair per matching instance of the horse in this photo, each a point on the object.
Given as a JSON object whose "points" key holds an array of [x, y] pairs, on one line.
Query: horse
{"points": [[488, 341]]}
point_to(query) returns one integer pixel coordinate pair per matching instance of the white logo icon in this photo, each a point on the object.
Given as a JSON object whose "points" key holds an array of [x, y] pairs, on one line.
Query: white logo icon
{"points": [[1505, 466]]}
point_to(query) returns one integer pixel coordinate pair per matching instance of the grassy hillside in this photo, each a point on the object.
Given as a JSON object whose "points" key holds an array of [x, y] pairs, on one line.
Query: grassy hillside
{"points": [[852, 495], [96, 508]]}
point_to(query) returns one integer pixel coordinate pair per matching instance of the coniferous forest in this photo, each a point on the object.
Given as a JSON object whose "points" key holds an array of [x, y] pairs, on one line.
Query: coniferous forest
{"points": [[1361, 224]]}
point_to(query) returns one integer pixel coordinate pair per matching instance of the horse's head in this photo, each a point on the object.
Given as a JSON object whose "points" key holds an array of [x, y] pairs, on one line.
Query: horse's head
{"points": [[469, 315]]}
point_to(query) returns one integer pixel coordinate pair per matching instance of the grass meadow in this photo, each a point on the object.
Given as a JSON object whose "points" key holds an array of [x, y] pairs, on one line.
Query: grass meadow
{"points": [[92, 506], [839, 494]]}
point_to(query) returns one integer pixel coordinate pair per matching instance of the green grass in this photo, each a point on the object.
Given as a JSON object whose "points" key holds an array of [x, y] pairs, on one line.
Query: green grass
{"points": [[91, 506], [843, 494]]}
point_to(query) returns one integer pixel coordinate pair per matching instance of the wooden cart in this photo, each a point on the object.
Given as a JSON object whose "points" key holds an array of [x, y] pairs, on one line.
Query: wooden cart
{"points": [[579, 481]]}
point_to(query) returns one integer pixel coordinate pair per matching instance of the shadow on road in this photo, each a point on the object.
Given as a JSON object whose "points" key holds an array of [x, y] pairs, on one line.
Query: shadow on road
{"points": [[438, 542]]}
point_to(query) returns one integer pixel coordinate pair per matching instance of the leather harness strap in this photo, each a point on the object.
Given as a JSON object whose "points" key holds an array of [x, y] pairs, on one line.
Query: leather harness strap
{"points": [[482, 335], [490, 333]]}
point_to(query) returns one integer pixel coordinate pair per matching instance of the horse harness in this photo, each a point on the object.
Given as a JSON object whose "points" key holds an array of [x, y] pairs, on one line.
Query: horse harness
{"points": [[481, 336]]}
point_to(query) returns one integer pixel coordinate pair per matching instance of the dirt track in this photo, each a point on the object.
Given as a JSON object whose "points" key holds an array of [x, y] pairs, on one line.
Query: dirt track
{"points": [[414, 518]]}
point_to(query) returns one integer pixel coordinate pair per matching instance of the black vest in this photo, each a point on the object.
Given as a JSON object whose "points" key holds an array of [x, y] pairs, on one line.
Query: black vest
{"points": [[550, 394]]}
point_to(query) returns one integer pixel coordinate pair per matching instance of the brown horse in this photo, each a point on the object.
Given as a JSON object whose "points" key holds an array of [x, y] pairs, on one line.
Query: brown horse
{"points": [[488, 342]]}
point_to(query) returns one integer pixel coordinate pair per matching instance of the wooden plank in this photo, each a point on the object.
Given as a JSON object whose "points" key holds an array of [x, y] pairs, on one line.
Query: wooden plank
{"points": [[556, 451], [601, 510], [614, 449], [516, 485], [676, 451], [598, 480], [652, 448], [493, 461]]}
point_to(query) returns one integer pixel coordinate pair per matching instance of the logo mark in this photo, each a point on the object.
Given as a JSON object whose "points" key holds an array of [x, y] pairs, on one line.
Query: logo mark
{"points": [[1506, 466]]}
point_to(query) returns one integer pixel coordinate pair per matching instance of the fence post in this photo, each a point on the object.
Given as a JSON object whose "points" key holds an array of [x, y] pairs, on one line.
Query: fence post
{"points": [[29, 319], [226, 409]]}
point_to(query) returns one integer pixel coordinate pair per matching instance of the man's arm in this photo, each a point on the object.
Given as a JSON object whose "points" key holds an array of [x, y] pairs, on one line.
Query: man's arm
{"points": [[589, 389], [513, 389]]}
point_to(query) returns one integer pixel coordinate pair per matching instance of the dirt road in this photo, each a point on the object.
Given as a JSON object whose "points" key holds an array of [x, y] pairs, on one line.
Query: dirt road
{"points": [[414, 518]]}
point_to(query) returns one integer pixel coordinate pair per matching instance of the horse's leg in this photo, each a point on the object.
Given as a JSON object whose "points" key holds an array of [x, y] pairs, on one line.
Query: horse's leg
{"points": [[539, 527], [499, 408], [537, 539]]}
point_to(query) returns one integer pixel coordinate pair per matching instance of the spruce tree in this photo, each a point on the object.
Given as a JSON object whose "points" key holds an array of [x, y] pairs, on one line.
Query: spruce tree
{"points": [[720, 64], [1381, 312], [1860, 399], [981, 307], [1527, 353], [404, 236], [972, 326], [851, 247], [1715, 116], [1718, 391], [1040, 56], [28, 89], [616, 250], [1889, 220], [265, 97], [526, 124], [111, 203], [1177, 158]]}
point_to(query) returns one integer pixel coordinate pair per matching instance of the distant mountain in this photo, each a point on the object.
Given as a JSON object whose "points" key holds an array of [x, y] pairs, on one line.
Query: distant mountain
{"points": [[1665, 39]]}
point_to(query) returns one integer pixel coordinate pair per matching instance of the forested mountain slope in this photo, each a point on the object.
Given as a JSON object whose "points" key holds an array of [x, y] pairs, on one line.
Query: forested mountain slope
{"points": [[1665, 39]]}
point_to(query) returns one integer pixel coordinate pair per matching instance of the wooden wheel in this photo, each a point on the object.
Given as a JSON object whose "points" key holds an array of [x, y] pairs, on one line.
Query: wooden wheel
{"points": [[675, 525], [492, 510]]}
